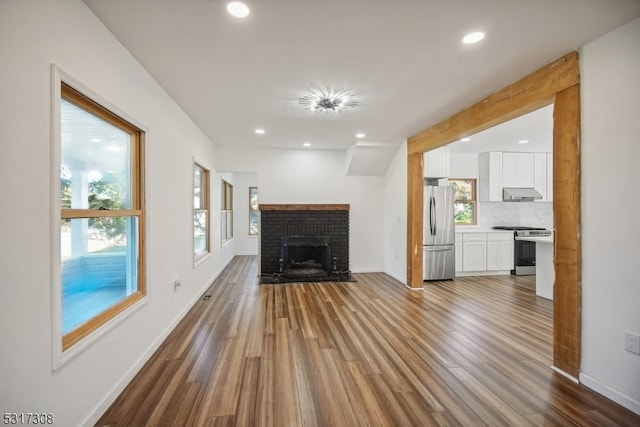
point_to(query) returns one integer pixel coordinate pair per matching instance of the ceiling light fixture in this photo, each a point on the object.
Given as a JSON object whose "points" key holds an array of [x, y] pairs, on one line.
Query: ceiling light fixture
{"points": [[523, 141], [237, 9], [329, 100], [472, 38], [465, 139], [306, 144], [260, 131], [360, 135]]}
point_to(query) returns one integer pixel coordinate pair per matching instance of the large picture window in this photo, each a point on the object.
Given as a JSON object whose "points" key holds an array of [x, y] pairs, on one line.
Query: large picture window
{"points": [[465, 206], [227, 211], [200, 212], [101, 216]]}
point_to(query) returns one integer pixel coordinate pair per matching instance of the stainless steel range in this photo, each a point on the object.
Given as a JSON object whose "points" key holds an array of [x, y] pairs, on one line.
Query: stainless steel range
{"points": [[524, 254]]}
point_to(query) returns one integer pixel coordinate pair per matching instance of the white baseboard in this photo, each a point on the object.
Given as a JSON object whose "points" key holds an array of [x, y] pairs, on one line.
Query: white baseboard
{"points": [[603, 389], [367, 270], [95, 415], [397, 277]]}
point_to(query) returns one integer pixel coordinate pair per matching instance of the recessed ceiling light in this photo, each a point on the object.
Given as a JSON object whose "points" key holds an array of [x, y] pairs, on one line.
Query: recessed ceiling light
{"points": [[472, 38], [238, 9], [360, 135], [306, 144], [465, 139], [260, 131], [523, 141]]}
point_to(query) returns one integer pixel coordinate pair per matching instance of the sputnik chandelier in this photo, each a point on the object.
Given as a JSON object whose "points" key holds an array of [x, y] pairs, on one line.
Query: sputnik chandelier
{"points": [[328, 100]]}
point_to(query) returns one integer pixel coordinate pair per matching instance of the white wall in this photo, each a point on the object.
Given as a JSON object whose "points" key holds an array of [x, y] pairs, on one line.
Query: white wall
{"points": [[395, 216], [318, 176], [34, 34], [610, 73]]}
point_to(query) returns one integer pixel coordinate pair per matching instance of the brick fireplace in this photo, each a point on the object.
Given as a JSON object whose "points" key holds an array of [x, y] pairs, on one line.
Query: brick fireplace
{"points": [[304, 242]]}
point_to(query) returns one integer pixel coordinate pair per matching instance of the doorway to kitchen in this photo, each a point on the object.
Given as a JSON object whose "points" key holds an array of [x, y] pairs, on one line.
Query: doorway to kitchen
{"points": [[557, 83]]}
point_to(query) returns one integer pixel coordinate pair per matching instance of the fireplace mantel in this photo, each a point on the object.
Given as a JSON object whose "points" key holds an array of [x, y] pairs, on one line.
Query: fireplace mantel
{"points": [[304, 207]]}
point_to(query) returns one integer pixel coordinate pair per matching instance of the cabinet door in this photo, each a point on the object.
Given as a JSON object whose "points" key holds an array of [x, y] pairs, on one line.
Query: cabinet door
{"points": [[493, 255], [540, 174], [458, 250], [474, 252], [517, 170], [474, 258], [490, 174], [506, 254], [550, 177], [524, 170], [509, 174], [436, 163]]}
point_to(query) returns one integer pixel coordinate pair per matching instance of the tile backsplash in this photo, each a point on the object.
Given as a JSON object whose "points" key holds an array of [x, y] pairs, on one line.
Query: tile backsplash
{"points": [[531, 214]]}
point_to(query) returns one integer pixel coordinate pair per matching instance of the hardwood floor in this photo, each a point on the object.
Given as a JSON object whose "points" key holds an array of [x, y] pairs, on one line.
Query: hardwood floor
{"points": [[473, 351]]}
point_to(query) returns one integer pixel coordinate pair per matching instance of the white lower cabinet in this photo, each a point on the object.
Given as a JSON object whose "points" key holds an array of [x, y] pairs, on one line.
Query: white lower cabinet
{"points": [[458, 252], [474, 252], [500, 248], [484, 252]]}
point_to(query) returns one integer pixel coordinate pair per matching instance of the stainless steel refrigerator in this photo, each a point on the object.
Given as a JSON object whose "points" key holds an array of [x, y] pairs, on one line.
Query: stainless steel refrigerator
{"points": [[439, 233]]}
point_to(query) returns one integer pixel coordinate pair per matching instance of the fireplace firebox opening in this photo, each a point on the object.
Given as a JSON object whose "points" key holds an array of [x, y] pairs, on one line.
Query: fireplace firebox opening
{"points": [[305, 256]]}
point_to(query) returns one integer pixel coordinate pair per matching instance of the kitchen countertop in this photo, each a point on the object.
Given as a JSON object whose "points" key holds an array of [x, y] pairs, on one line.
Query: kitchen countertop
{"points": [[468, 229]]}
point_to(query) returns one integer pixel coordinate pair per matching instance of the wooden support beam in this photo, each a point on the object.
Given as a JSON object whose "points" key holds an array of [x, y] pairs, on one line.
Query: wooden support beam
{"points": [[528, 94], [415, 187], [567, 291]]}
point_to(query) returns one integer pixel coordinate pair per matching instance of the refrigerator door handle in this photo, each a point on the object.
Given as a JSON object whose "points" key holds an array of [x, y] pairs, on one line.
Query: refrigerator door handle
{"points": [[437, 249], [435, 217], [432, 215]]}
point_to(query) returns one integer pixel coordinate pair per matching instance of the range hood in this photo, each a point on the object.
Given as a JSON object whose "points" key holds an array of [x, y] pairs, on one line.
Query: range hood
{"points": [[520, 195]]}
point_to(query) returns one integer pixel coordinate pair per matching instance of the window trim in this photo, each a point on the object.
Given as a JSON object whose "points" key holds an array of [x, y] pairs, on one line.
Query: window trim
{"points": [[226, 202], [473, 201], [66, 347], [205, 195]]}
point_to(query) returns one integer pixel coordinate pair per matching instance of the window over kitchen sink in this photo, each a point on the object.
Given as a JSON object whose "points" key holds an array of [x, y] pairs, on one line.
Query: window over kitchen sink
{"points": [[464, 196]]}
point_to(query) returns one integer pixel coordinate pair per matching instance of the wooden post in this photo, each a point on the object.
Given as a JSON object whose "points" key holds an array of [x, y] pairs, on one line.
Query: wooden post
{"points": [[567, 290], [415, 187]]}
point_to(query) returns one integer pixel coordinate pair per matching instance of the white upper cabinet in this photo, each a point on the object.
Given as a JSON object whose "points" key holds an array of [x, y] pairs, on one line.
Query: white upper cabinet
{"points": [[436, 163], [550, 177], [517, 170], [490, 177], [498, 170], [540, 174]]}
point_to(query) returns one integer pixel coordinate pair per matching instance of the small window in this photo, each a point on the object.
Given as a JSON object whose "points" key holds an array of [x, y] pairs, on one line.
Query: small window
{"points": [[254, 212], [465, 206], [101, 216], [200, 212], [227, 211]]}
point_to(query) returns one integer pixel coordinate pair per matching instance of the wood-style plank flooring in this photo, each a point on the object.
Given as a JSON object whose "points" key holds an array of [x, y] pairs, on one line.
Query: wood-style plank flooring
{"points": [[472, 352]]}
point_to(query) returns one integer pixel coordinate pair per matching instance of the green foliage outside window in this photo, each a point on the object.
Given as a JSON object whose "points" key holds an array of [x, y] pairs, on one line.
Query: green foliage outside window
{"points": [[465, 200]]}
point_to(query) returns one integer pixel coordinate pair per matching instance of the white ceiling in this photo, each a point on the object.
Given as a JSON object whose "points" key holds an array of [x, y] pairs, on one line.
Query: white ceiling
{"points": [[536, 128], [403, 58]]}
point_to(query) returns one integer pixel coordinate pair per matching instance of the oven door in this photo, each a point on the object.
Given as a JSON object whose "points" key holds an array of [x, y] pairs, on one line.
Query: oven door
{"points": [[524, 258]]}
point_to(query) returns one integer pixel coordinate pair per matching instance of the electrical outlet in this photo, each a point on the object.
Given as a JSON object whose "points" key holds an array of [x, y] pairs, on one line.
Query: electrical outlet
{"points": [[632, 343]]}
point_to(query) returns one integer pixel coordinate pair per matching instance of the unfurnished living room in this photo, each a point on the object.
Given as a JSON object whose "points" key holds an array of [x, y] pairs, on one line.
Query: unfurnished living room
{"points": [[338, 213]]}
